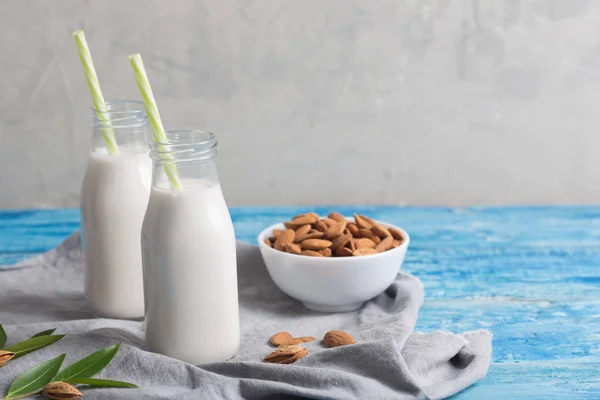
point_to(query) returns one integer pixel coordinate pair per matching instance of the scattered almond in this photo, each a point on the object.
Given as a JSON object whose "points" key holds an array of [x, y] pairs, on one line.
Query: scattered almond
{"points": [[315, 244], [385, 244], [305, 339], [291, 343], [365, 251], [5, 356], [280, 338], [286, 355], [61, 390], [337, 338]]}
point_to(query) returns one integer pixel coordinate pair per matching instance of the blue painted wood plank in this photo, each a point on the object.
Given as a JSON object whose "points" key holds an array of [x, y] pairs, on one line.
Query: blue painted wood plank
{"points": [[529, 274]]}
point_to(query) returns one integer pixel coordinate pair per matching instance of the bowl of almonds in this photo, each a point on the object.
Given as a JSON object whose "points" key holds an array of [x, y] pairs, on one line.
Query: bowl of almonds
{"points": [[333, 263]]}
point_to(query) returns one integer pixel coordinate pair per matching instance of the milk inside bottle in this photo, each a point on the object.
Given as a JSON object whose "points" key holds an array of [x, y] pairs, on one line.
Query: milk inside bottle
{"points": [[189, 254], [114, 196]]}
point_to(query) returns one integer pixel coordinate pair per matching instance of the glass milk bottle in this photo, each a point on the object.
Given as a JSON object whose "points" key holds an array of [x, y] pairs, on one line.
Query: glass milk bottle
{"points": [[188, 247], [114, 196]]}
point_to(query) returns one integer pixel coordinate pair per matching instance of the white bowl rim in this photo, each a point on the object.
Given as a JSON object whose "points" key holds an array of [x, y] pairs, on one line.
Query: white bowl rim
{"points": [[262, 245]]}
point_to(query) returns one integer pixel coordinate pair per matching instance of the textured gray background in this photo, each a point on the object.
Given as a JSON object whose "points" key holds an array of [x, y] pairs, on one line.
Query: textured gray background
{"points": [[419, 102]]}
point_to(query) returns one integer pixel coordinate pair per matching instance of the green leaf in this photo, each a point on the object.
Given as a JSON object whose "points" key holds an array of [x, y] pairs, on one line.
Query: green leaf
{"points": [[33, 380], [2, 337], [33, 344], [44, 333], [89, 366], [102, 383]]}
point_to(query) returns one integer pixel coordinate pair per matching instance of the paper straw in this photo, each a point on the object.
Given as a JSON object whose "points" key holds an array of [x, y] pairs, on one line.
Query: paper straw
{"points": [[154, 117], [97, 98]]}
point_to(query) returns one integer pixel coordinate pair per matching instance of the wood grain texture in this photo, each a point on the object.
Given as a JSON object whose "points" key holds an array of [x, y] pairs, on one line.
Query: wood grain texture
{"points": [[529, 274]]}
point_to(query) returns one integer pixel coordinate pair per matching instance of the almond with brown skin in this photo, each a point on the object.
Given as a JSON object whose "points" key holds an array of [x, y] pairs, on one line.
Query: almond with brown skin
{"points": [[315, 244], [292, 248], [335, 230], [60, 391], [364, 243], [396, 243], [340, 241], [286, 355], [343, 252], [353, 228], [306, 339], [337, 338], [326, 252], [291, 343], [385, 244], [364, 252], [276, 232], [396, 234], [329, 222], [365, 233], [320, 226], [362, 222], [280, 338], [352, 244], [313, 234], [268, 242], [285, 237], [336, 216], [380, 231], [305, 219], [5, 356], [301, 232], [312, 253]]}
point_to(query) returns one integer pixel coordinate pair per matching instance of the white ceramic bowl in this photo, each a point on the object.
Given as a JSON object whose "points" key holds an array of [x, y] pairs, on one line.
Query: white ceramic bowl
{"points": [[332, 284]]}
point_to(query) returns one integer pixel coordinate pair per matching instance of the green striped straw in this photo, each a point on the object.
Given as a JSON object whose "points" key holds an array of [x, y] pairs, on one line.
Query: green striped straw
{"points": [[97, 98], [154, 117]]}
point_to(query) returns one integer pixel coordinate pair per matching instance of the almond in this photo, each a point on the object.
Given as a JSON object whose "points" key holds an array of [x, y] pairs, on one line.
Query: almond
{"points": [[313, 234], [326, 252], [337, 338], [314, 214], [336, 216], [61, 390], [292, 225], [351, 244], [340, 241], [364, 243], [5, 356], [312, 253], [365, 233], [291, 343], [280, 338], [369, 220], [353, 228], [305, 219], [305, 339], [396, 243], [385, 244], [276, 232], [335, 230], [343, 252], [364, 252], [293, 248], [396, 234], [362, 222], [286, 355], [268, 242], [380, 231], [329, 222], [303, 230], [315, 244], [285, 237], [320, 226]]}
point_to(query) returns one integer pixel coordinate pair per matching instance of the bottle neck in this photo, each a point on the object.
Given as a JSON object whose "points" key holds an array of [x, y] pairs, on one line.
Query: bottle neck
{"points": [[125, 123], [187, 155]]}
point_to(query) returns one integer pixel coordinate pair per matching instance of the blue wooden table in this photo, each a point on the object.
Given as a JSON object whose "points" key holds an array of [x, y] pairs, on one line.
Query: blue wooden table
{"points": [[531, 275]]}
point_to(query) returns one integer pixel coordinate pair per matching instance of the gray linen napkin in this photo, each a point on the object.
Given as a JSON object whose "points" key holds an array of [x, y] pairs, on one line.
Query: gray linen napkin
{"points": [[389, 361]]}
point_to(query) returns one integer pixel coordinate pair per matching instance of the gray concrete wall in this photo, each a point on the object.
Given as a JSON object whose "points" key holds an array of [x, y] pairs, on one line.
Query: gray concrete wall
{"points": [[320, 101]]}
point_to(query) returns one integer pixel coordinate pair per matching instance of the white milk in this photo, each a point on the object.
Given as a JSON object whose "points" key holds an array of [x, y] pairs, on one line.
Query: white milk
{"points": [[114, 197], [190, 275]]}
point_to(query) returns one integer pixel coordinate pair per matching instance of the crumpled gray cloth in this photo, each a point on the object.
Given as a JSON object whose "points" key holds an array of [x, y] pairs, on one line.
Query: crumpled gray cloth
{"points": [[389, 360]]}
